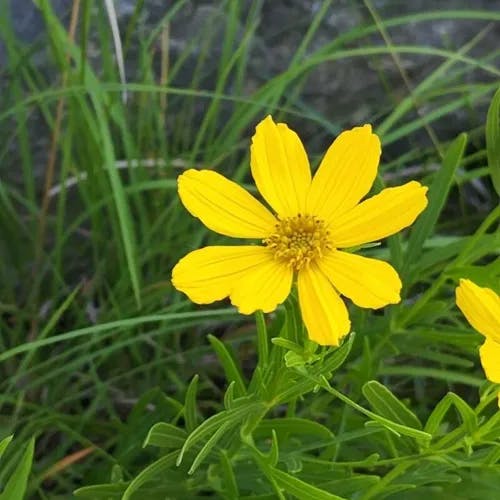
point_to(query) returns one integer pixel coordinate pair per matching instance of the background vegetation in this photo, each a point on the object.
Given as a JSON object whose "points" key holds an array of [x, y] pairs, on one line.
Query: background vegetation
{"points": [[95, 345]]}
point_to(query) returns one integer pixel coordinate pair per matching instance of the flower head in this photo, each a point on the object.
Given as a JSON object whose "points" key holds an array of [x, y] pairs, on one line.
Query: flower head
{"points": [[310, 220], [481, 307]]}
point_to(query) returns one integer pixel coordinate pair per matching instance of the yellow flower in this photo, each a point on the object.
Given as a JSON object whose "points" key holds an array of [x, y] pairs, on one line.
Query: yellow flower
{"points": [[314, 219], [481, 307]]}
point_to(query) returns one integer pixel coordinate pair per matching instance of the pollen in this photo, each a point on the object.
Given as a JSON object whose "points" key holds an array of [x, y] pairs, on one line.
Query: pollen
{"points": [[299, 240]]}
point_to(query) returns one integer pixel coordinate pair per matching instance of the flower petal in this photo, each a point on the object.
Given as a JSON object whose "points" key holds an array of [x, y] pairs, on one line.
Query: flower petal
{"points": [[224, 206], [345, 174], [367, 282], [323, 311], [264, 288], [211, 273], [481, 307], [280, 167], [490, 359], [381, 215]]}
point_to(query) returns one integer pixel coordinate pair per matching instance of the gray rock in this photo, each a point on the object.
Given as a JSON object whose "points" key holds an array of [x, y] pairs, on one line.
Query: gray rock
{"points": [[341, 93]]}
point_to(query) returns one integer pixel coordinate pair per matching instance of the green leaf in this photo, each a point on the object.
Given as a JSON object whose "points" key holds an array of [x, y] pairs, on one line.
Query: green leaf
{"points": [[299, 488], [262, 338], [287, 344], [4, 443], [466, 412], [229, 396], [231, 369], [229, 479], [330, 363], [351, 487], [117, 474], [165, 435], [209, 426], [292, 425], [125, 220], [493, 140], [210, 445], [112, 325], [274, 453], [101, 491], [438, 193], [190, 409], [150, 472], [385, 403], [15, 488], [426, 472], [393, 426], [392, 489], [493, 456]]}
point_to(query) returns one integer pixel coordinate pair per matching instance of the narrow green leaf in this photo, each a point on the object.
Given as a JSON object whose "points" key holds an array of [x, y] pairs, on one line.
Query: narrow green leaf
{"points": [[434, 373], [121, 203], [210, 445], [441, 409], [293, 426], [438, 193], [101, 491], [231, 369], [209, 426], [490, 429], [274, 453], [493, 456], [229, 396], [121, 324], [165, 435], [466, 412], [262, 338], [228, 477], [351, 487], [117, 474], [393, 426], [374, 424], [15, 488], [190, 408], [385, 403], [287, 344], [402, 429], [332, 362], [4, 443], [149, 473], [299, 488], [493, 140], [393, 489]]}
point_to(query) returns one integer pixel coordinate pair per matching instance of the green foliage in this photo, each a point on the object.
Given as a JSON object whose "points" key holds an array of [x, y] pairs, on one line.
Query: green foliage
{"points": [[17, 482], [131, 391], [493, 140]]}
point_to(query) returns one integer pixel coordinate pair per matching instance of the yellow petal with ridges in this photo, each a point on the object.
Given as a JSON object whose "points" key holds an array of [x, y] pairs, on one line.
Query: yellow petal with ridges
{"points": [[380, 216], [490, 359], [224, 206], [367, 282], [481, 307], [267, 286], [212, 273], [345, 174], [280, 167], [323, 311]]}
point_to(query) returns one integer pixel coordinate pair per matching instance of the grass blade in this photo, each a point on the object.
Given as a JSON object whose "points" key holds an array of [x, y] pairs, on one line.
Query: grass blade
{"points": [[493, 140]]}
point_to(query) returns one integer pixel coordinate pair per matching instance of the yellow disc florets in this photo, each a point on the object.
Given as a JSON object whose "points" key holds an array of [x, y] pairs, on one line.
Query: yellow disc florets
{"points": [[299, 240]]}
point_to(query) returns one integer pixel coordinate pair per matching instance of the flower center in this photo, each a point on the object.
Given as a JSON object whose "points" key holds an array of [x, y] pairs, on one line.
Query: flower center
{"points": [[299, 240]]}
